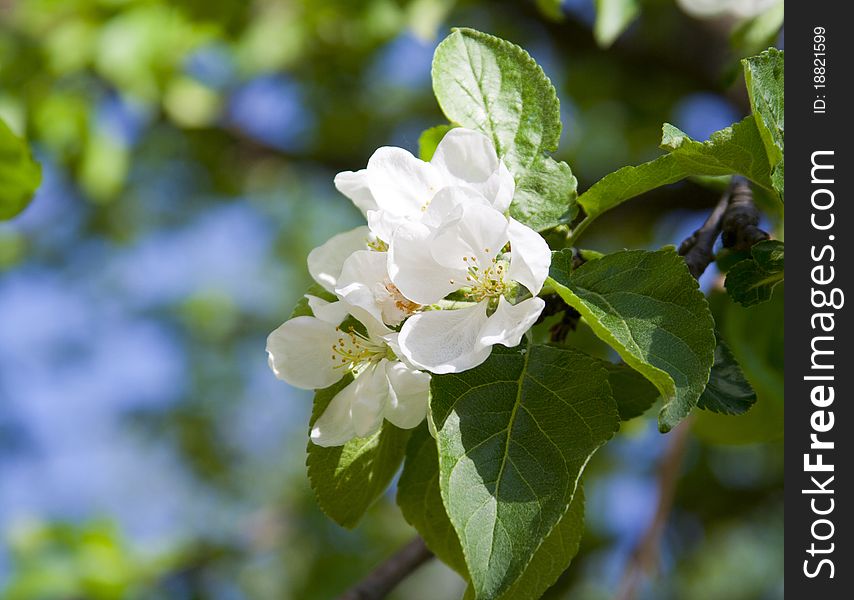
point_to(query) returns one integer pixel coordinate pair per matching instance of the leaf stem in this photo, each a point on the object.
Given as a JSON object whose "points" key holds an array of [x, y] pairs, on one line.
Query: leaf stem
{"points": [[572, 236], [382, 580]]}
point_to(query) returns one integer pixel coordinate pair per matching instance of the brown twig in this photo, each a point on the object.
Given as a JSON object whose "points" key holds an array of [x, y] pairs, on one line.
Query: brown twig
{"points": [[698, 249], [739, 226], [735, 218], [645, 556], [379, 582]]}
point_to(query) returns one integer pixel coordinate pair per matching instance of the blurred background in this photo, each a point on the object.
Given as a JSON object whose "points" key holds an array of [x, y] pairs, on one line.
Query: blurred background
{"points": [[188, 149]]}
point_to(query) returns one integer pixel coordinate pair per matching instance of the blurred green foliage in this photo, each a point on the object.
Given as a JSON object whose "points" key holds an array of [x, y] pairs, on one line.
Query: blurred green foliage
{"points": [[358, 74]]}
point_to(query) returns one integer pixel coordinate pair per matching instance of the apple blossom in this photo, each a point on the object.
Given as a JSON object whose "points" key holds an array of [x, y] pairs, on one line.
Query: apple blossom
{"points": [[397, 187], [314, 352], [462, 249]]}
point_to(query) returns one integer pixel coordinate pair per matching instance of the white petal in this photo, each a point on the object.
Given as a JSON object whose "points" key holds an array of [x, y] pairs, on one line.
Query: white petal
{"points": [[410, 391], [509, 322], [466, 155], [448, 204], [445, 341], [362, 281], [468, 158], [481, 233], [331, 312], [383, 223], [413, 270], [325, 262], [370, 399], [335, 426], [401, 184], [503, 186], [300, 352], [354, 185], [530, 257]]}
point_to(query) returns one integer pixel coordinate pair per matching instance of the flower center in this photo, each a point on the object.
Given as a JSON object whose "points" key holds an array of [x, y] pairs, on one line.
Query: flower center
{"points": [[377, 245], [395, 306], [486, 281], [353, 351]]}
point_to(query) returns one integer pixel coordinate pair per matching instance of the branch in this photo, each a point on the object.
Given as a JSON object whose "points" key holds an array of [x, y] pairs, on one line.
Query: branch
{"points": [[740, 221], [698, 249], [379, 582], [645, 556]]}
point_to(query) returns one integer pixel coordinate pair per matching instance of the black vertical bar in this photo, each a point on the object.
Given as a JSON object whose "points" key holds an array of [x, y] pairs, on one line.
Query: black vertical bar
{"points": [[819, 226]]}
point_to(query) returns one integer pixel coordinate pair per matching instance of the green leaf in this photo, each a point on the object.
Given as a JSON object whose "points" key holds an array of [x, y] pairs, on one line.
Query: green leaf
{"points": [[488, 84], [633, 393], [348, 479], [420, 500], [763, 76], [728, 392], [612, 19], [545, 195], [429, 140], [628, 182], [735, 150], [552, 558], [650, 310], [20, 174], [753, 281], [302, 309], [514, 435]]}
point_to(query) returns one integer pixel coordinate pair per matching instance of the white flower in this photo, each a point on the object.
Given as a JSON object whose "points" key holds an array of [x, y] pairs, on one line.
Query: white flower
{"points": [[364, 282], [462, 249], [314, 352], [397, 187]]}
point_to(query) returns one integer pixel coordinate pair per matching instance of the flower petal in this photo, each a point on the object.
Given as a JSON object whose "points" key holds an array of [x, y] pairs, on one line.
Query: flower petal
{"points": [[481, 233], [503, 187], [383, 224], [400, 183], [413, 270], [445, 341], [447, 205], [509, 322], [530, 257], [354, 185], [331, 312], [300, 352], [362, 281], [370, 399], [467, 158], [326, 261], [334, 427], [410, 391]]}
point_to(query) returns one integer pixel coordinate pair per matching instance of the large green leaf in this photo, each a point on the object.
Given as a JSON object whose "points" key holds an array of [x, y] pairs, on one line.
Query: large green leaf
{"points": [[612, 18], [650, 310], [20, 175], [633, 393], [347, 479], [420, 500], [763, 75], [752, 281], [485, 83], [514, 435], [728, 391], [735, 150]]}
